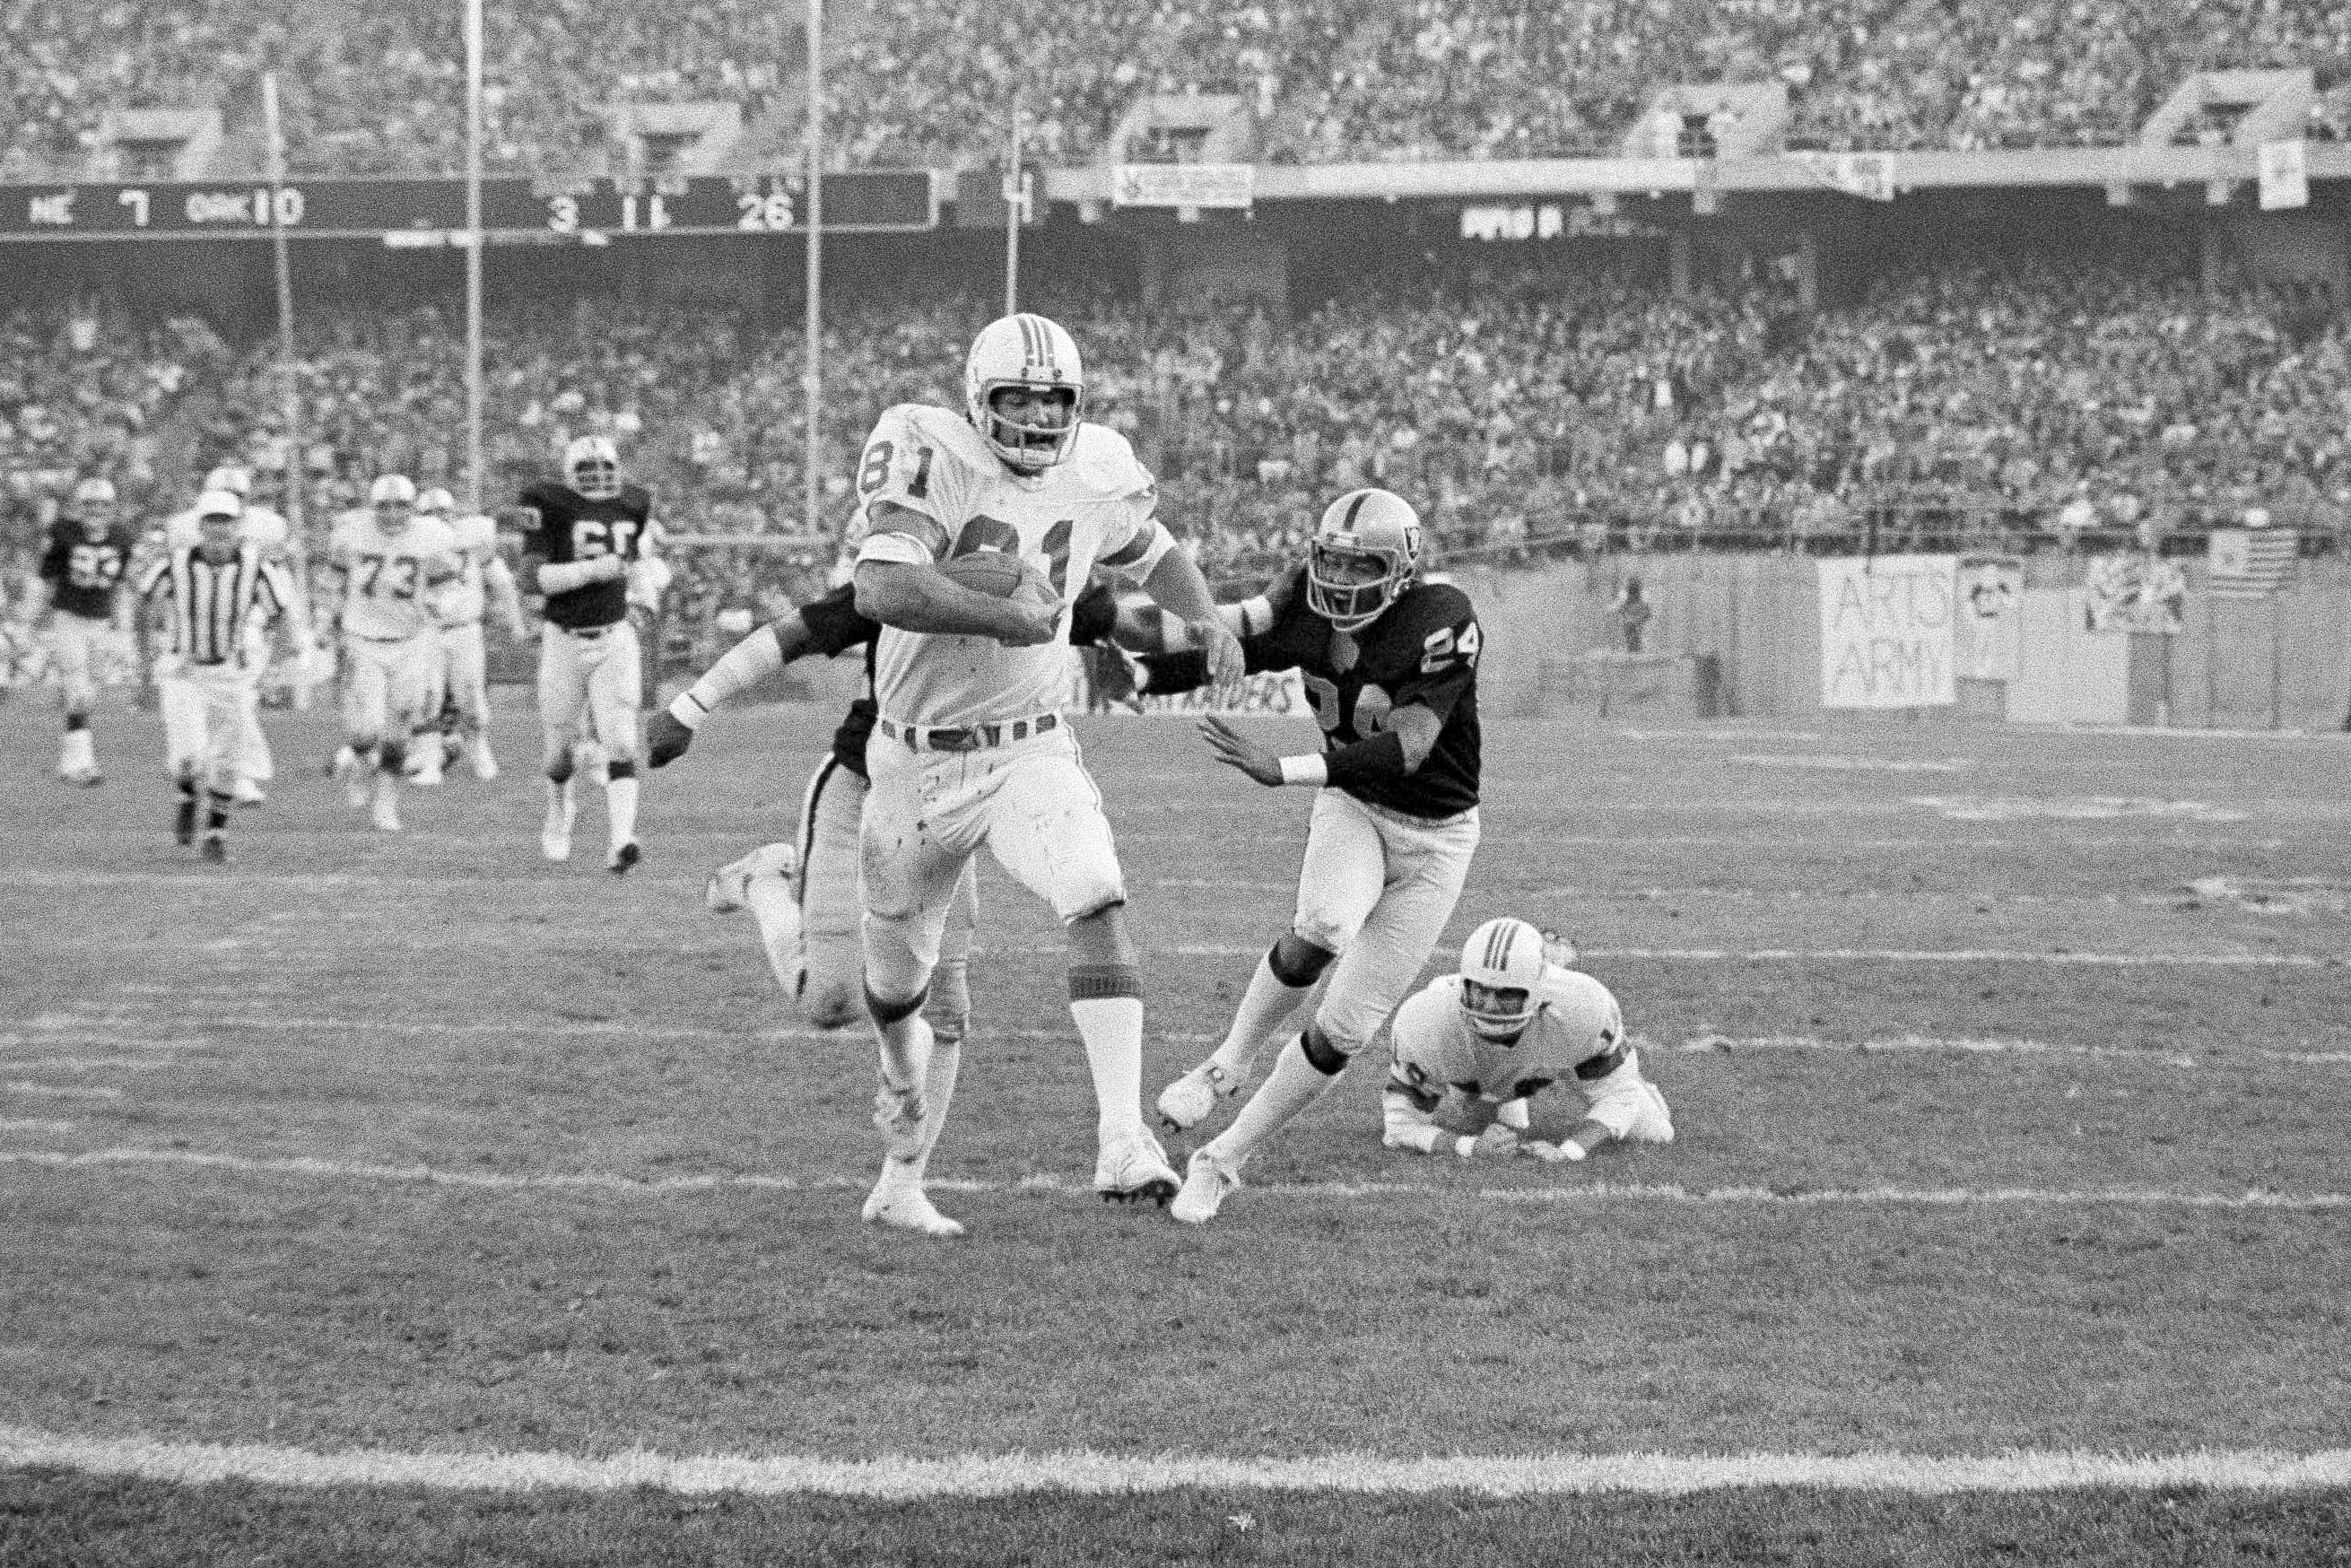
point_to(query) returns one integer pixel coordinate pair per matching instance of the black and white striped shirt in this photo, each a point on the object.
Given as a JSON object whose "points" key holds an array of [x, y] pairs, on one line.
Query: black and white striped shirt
{"points": [[211, 604]]}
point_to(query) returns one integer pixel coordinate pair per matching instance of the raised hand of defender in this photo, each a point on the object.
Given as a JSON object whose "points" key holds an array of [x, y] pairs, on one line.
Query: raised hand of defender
{"points": [[1230, 746], [665, 738], [1227, 668]]}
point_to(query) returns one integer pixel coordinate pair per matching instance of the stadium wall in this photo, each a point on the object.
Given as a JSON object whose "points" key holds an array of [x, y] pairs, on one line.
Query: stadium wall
{"points": [[2281, 661]]}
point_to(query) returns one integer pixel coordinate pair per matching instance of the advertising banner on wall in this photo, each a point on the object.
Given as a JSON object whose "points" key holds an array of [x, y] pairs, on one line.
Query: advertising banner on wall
{"points": [[2136, 592], [1886, 631], [1986, 641]]}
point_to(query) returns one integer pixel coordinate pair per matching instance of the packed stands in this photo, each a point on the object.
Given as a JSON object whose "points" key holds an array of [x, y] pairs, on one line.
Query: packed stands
{"points": [[376, 88]]}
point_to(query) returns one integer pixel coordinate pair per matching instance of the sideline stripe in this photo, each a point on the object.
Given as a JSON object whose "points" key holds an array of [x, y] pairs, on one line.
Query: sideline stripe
{"points": [[1726, 1045], [96, 1030], [607, 1181], [1878, 955], [1085, 1472]]}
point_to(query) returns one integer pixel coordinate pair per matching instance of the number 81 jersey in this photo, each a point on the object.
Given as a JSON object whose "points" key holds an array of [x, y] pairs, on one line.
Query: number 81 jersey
{"points": [[1094, 508]]}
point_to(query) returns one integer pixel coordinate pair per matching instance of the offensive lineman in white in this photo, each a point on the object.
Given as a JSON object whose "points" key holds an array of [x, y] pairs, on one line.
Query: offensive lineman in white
{"points": [[1510, 1024], [969, 747], [392, 567], [458, 667]]}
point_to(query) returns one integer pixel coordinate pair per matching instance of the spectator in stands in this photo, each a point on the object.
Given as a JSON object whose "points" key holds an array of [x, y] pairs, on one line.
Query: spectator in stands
{"points": [[1629, 614]]}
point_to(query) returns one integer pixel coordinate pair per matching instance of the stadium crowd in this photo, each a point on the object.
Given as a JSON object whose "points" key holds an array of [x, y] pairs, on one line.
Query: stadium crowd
{"points": [[377, 88]]}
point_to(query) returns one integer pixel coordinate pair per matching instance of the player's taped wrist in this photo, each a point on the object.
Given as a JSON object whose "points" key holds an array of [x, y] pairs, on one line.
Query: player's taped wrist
{"points": [[1249, 618], [562, 576], [1309, 770], [741, 668]]}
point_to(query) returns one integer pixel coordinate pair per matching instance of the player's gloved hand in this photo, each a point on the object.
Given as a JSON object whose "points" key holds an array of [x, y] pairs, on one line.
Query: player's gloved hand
{"points": [[665, 738], [1495, 1140], [1230, 746], [1553, 1154], [1227, 665]]}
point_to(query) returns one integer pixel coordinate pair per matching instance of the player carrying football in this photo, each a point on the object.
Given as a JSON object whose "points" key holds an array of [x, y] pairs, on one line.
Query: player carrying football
{"points": [[1390, 664], [591, 535], [969, 747], [79, 584], [1480, 1044]]}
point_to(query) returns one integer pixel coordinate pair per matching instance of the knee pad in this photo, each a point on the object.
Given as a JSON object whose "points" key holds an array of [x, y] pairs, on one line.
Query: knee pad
{"points": [[76, 715], [1297, 962], [828, 1004], [620, 767], [885, 1014], [390, 758], [558, 767], [1322, 1053]]}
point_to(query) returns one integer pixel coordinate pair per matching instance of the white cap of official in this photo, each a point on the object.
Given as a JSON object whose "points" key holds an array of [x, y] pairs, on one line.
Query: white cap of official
{"points": [[220, 504]]}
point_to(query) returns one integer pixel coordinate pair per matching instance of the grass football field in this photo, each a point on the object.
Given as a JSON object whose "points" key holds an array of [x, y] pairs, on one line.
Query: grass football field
{"points": [[405, 1199]]}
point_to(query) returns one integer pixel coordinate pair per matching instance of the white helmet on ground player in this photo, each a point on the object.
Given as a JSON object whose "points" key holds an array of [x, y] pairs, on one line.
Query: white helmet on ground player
{"points": [[1501, 965], [591, 465], [1025, 353], [1362, 558]]}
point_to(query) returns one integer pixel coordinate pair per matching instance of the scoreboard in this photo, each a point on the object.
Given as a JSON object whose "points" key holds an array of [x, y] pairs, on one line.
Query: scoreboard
{"points": [[427, 211]]}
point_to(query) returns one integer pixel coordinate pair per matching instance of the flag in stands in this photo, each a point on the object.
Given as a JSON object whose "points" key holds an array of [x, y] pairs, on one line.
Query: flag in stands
{"points": [[2250, 563]]}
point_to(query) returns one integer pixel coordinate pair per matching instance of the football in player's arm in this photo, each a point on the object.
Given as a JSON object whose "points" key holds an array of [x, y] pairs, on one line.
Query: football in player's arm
{"points": [[1469, 1051]]}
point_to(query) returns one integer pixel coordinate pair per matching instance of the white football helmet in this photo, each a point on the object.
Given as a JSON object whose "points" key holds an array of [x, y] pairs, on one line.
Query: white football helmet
{"points": [[1031, 352], [93, 504], [1362, 558], [233, 477], [591, 465], [436, 502], [392, 498], [1501, 965]]}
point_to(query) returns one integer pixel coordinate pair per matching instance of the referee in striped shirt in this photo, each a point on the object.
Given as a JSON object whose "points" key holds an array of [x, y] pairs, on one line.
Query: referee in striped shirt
{"points": [[211, 591]]}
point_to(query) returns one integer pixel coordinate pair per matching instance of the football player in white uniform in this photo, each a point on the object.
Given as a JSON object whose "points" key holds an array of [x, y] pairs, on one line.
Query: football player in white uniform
{"points": [[392, 568], [458, 671], [970, 750], [1478, 1045]]}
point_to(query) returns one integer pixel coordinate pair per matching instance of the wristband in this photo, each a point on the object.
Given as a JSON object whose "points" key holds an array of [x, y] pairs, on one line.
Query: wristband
{"points": [[1309, 770], [1256, 616], [688, 709]]}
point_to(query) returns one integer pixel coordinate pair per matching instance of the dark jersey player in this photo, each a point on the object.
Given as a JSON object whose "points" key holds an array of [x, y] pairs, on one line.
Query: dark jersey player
{"points": [[1390, 664], [79, 585], [805, 896], [589, 540]]}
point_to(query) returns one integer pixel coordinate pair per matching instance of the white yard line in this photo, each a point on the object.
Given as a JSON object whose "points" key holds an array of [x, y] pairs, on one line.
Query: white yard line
{"points": [[34, 1124], [1595, 1192], [1879, 955], [1084, 1471], [58, 1092], [1728, 1045], [98, 1031]]}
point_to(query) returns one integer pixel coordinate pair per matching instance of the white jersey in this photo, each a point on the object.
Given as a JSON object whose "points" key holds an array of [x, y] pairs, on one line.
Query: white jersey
{"points": [[1577, 1034], [1094, 508], [386, 576], [467, 599]]}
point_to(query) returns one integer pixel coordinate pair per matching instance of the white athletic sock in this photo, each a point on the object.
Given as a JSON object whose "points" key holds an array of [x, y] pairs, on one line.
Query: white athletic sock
{"points": [[770, 899], [907, 1047], [1265, 1009], [938, 1091], [80, 752], [621, 806], [1292, 1085], [1111, 1028]]}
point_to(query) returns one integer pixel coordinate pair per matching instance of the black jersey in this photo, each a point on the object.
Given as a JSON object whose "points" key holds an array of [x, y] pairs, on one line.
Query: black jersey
{"points": [[563, 526], [1422, 650], [835, 627], [83, 574]]}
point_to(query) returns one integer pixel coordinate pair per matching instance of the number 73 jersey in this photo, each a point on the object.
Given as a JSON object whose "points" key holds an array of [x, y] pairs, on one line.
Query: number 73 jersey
{"points": [[1093, 508], [386, 576]]}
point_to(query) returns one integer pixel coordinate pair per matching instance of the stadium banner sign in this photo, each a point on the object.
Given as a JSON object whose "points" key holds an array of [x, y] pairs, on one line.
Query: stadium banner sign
{"points": [[2136, 592], [2284, 168], [1869, 176], [553, 211], [1988, 641], [1886, 631], [1181, 185]]}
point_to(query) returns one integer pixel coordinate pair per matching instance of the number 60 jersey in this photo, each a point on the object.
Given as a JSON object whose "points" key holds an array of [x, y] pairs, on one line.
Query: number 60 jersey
{"points": [[561, 526], [1093, 508]]}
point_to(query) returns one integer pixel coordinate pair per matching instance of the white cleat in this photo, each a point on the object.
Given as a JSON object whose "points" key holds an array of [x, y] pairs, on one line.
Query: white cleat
{"points": [[387, 808], [1135, 1171], [723, 893], [902, 1205], [486, 764], [1207, 1180], [1191, 1099], [427, 772], [246, 792], [83, 778], [555, 833]]}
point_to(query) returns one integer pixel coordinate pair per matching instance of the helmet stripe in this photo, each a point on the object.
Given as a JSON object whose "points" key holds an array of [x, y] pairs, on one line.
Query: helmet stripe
{"points": [[1355, 506], [1497, 945]]}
